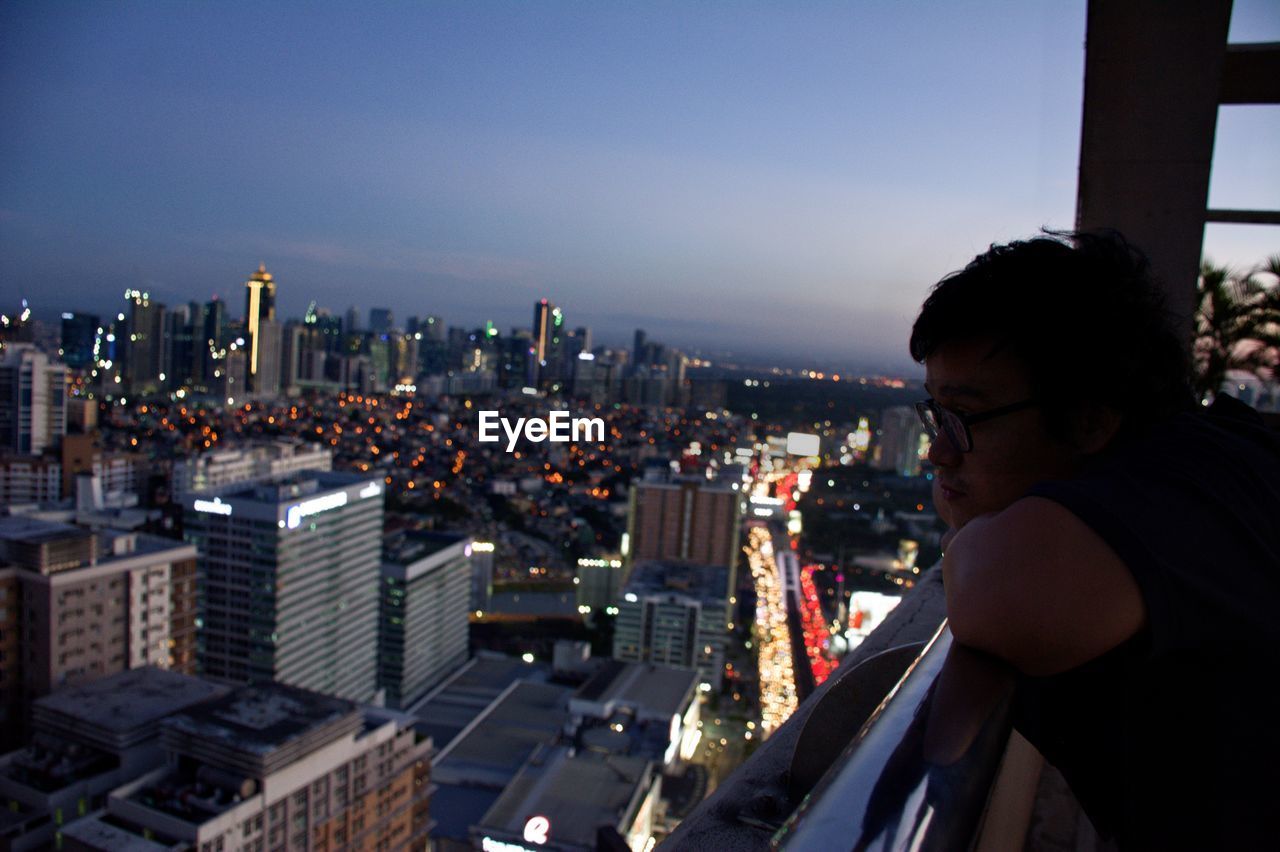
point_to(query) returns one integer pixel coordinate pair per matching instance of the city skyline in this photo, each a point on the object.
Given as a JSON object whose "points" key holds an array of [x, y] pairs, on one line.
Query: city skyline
{"points": [[744, 178]]}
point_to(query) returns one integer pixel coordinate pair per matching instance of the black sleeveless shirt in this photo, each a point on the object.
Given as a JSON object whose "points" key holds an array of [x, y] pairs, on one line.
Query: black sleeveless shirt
{"points": [[1172, 740]]}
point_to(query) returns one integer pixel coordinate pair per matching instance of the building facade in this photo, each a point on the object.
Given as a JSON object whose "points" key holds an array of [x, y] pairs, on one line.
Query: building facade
{"points": [[289, 576], [263, 333], [423, 626], [686, 520], [88, 605], [273, 767], [674, 614], [33, 400], [212, 471]]}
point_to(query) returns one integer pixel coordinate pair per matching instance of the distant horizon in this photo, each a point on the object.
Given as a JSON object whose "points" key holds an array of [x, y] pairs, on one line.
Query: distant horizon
{"points": [[775, 180], [613, 331]]}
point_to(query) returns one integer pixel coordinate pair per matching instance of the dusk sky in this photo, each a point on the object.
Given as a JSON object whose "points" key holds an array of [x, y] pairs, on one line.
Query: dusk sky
{"points": [[777, 179]]}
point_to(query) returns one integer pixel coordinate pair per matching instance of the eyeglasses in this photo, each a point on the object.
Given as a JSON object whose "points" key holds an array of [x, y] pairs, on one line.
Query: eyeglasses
{"points": [[937, 419]]}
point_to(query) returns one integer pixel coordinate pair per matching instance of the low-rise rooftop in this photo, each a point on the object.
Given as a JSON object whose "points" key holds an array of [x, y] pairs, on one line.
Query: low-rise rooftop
{"points": [[446, 712], [121, 710], [493, 749], [653, 577], [652, 691], [577, 793], [96, 832], [259, 729], [405, 548]]}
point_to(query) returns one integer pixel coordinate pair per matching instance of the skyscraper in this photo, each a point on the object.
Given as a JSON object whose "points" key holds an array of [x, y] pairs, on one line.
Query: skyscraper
{"points": [[144, 351], [209, 337], [426, 580], [381, 320], [548, 339], [260, 307], [289, 574], [686, 520], [179, 347], [80, 333], [33, 400]]}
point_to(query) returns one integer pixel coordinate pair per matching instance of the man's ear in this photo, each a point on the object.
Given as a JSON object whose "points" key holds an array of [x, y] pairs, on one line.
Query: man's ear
{"points": [[1093, 427]]}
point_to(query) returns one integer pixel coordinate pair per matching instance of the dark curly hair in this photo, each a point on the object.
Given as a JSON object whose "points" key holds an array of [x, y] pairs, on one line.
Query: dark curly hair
{"points": [[1082, 311]]}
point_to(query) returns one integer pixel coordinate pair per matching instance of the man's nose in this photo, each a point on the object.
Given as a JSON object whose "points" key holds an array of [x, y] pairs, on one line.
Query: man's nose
{"points": [[942, 452]]}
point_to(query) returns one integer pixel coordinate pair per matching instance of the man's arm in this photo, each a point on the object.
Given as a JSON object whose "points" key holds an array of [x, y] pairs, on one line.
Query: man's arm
{"points": [[1034, 585]]}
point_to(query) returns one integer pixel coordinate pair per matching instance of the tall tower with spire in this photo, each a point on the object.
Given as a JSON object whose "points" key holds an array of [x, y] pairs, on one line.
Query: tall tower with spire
{"points": [[260, 318]]}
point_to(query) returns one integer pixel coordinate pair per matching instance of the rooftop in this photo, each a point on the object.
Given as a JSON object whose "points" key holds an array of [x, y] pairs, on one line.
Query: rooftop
{"points": [[120, 710], [260, 729], [34, 531], [404, 548], [49, 764], [95, 832], [577, 792], [654, 577], [658, 692], [446, 712], [50, 546], [457, 807], [290, 486], [491, 751]]}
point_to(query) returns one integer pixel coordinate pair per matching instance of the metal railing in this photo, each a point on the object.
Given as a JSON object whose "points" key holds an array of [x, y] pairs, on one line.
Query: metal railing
{"points": [[919, 773]]}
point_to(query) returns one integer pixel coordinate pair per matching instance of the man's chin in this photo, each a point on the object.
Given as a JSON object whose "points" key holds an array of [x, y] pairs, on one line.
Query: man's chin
{"points": [[949, 506]]}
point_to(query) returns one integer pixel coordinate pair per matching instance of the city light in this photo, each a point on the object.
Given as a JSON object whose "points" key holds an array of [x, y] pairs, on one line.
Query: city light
{"points": [[212, 507], [778, 697]]}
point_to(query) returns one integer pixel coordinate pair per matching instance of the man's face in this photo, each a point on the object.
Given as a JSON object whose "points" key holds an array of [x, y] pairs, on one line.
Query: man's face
{"points": [[1010, 452]]}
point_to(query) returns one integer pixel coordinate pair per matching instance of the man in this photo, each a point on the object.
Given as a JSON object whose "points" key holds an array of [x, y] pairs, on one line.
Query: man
{"points": [[1116, 544]]}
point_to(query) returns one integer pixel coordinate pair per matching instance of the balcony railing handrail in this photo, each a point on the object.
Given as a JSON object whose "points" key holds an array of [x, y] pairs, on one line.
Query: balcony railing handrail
{"points": [[918, 774]]}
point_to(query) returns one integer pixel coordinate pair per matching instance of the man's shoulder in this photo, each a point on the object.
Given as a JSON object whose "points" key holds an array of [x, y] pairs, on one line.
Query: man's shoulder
{"points": [[1018, 581]]}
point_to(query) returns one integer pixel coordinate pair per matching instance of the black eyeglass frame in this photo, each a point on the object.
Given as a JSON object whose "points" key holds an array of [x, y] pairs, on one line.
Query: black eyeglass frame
{"points": [[937, 418]]}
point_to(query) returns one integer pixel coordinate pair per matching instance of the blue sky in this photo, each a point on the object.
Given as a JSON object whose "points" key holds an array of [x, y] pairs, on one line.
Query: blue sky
{"points": [[772, 178]]}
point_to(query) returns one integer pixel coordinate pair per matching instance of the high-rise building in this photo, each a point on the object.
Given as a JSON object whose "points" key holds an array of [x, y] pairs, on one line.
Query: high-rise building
{"points": [[296, 347], [674, 614], [381, 320], [260, 308], [685, 520], [208, 332], [404, 358], [548, 339], [433, 348], [432, 327], [481, 575], [423, 635], [289, 575], [266, 381], [92, 604], [273, 767], [144, 350], [80, 335], [598, 581], [900, 443], [33, 400], [180, 341]]}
